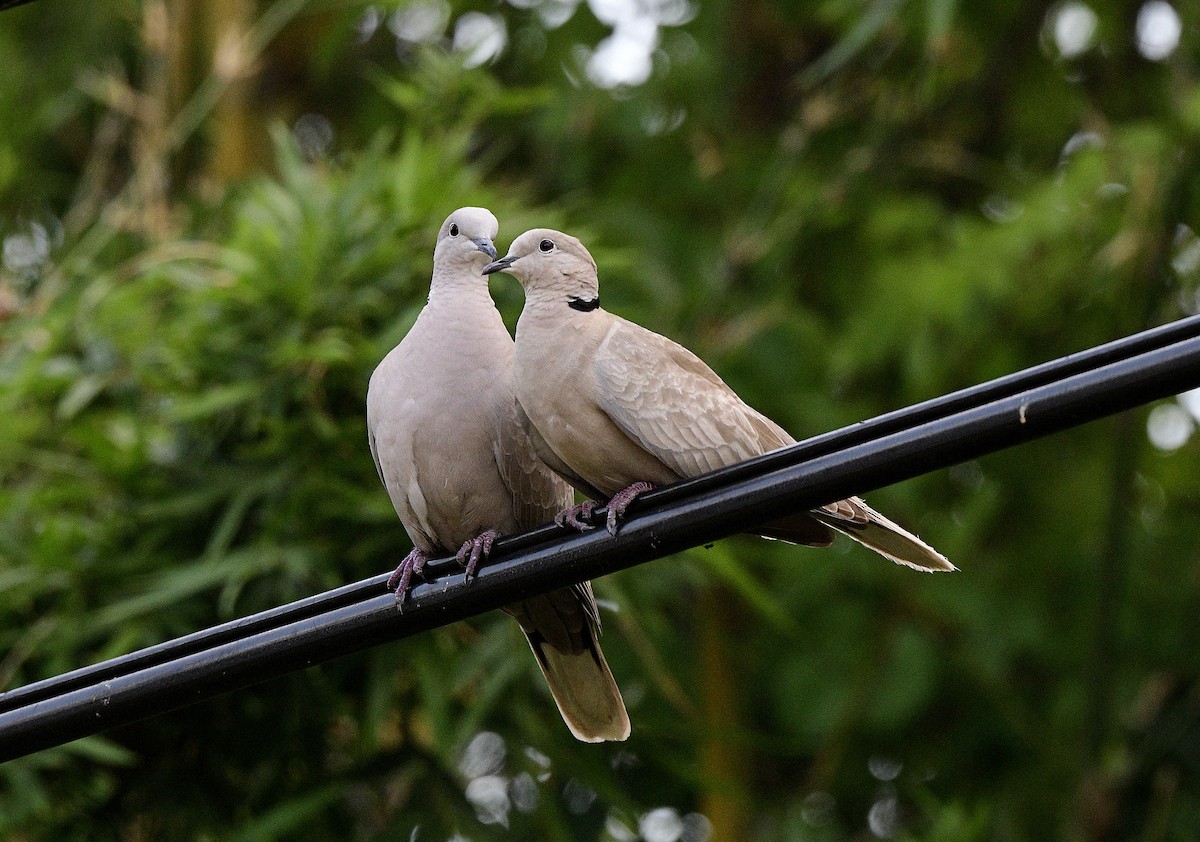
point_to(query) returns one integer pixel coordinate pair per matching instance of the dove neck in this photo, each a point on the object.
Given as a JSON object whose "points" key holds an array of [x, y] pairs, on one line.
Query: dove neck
{"points": [[580, 296], [459, 288]]}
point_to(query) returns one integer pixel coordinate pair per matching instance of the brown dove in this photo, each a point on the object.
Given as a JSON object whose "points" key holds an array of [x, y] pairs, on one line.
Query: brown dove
{"points": [[444, 430], [616, 409]]}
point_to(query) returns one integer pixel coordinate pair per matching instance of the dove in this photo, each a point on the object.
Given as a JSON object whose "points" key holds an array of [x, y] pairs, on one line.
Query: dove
{"points": [[616, 409], [450, 448]]}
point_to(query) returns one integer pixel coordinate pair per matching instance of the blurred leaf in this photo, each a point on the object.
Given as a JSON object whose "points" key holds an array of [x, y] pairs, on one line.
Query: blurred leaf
{"points": [[728, 568]]}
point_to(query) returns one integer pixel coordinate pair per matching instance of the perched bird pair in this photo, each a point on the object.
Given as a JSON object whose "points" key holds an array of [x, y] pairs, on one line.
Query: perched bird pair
{"points": [[473, 437]]}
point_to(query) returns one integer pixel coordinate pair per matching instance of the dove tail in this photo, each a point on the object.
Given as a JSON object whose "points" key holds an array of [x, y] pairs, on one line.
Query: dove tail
{"points": [[584, 689], [889, 539]]}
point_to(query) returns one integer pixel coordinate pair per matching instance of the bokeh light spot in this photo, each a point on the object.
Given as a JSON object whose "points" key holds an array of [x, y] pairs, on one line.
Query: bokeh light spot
{"points": [[1169, 426], [1158, 29]]}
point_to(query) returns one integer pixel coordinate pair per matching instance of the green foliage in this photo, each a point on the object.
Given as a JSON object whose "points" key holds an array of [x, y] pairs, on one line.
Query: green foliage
{"points": [[844, 208]]}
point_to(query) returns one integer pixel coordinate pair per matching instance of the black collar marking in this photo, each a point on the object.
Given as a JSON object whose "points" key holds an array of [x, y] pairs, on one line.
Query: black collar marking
{"points": [[583, 306]]}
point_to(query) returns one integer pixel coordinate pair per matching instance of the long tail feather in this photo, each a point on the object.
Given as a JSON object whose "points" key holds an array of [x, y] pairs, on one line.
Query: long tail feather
{"points": [[887, 538], [584, 690], [563, 630]]}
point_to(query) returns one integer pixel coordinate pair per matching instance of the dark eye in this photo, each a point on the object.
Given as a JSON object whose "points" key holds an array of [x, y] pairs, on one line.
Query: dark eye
{"points": [[546, 246], [453, 230]]}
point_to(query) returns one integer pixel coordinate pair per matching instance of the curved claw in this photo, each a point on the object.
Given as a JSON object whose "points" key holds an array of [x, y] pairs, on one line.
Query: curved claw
{"points": [[577, 516], [401, 580], [620, 502], [476, 550]]}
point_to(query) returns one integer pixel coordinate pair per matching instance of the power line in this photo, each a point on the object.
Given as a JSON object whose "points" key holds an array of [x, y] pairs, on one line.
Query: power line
{"points": [[941, 432]]}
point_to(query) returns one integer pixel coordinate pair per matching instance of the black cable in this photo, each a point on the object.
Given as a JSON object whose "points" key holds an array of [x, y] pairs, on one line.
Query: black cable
{"points": [[991, 417], [808, 449]]}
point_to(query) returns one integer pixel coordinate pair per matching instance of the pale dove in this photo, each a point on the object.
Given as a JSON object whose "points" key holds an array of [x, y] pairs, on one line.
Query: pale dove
{"points": [[616, 409], [444, 432]]}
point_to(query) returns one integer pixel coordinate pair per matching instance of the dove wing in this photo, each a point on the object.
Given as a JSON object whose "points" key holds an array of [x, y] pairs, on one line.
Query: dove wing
{"points": [[673, 405]]}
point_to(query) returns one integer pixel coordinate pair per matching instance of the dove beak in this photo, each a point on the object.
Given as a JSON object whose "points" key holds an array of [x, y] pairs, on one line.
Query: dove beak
{"points": [[499, 265], [485, 246]]}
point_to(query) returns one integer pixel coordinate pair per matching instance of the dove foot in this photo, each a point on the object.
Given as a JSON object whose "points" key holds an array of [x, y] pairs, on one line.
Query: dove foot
{"points": [[476, 550], [577, 516], [401, 580], [620, 501]]}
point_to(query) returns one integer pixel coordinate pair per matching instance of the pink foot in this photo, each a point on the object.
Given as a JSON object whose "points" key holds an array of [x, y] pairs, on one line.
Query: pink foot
{"points": [[476, 550], [401, 580], [620, 502], [577, 516]]}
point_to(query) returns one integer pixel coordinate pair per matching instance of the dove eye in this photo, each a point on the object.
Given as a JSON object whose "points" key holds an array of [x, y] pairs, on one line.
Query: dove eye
{"points": [[546, 246], [453, 230]]}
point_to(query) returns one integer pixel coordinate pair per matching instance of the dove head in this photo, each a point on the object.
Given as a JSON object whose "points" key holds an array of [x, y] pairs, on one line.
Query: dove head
{"points": [[552, 266], [464, 244]]}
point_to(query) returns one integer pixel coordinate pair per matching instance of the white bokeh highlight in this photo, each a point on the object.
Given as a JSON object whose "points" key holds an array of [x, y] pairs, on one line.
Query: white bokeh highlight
{"points": [[1158, 30], [484, 755], [1191, 402], [420, 23], [624, 58], [1169, 426], [479, 38], [883, 768], [1074, 28], [663, 824], [489, 796], [883, 819]]}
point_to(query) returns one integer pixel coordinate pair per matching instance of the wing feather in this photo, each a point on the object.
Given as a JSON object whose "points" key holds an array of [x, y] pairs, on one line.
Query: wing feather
{"points": [[538, 493], [667, 400]]}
